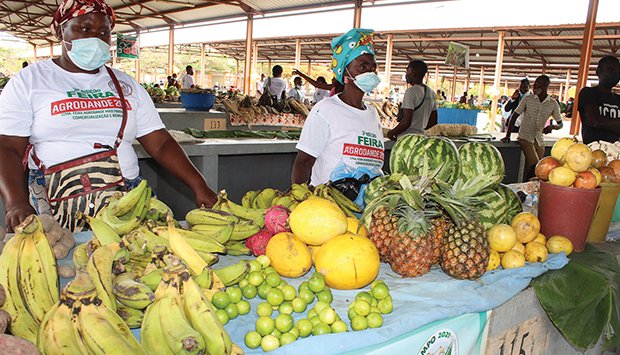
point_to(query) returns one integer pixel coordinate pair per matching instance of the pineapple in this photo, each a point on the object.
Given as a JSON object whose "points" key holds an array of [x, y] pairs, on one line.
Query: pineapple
{"points": [[411, 248], [382, 228], [465, 250], [438, 230]]}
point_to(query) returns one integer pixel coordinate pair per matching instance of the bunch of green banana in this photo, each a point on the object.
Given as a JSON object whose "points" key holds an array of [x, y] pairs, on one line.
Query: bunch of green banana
{"points": [[182, 320], [333, 194], [80, 323], [233, 274], [158, 211], [126, 211], [30, 279]]}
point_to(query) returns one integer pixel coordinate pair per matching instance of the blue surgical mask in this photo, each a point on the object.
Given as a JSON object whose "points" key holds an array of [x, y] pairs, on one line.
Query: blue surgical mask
{"points": [[89, 53], [366, 82]]}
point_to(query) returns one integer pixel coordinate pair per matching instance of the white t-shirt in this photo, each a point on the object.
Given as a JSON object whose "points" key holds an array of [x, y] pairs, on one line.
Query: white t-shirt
{"points": [[65, 113], [260, 85], [296, 94], [413, 97], [341, 136], [277, 87], [320, 94], [187, 81]]}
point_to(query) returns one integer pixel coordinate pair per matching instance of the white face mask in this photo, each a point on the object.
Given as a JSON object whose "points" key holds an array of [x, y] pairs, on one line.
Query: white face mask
{"points": [[366, 82], [89, 53]]}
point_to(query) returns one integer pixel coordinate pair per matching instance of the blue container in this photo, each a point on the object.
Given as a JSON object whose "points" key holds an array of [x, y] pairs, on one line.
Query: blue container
{"points": [[197, 102], [457, 115]]}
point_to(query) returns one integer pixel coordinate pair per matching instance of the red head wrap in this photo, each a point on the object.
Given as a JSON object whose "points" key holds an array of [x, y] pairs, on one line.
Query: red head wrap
{"points": [[70, 9]]}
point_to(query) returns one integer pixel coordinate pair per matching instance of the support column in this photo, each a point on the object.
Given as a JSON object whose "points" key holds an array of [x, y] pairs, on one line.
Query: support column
{"points": [[202, 64], [388, 63], [171, 50], [237, 74], [481, 89], [248, 54], [138, 68], [297, 53], [584, 61], [467, 81], [255, 70], [357, 14], [567, 86], [453, 89], [34, 51], [51, 49], [497, 79], [436, 77]]}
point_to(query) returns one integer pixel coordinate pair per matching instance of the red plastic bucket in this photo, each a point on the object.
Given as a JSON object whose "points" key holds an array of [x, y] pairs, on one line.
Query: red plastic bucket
{"points": [[567, 211]]}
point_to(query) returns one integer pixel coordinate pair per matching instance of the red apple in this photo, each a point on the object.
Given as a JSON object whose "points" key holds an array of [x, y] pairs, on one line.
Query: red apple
{"points": [[544, 167], [585, 180]]}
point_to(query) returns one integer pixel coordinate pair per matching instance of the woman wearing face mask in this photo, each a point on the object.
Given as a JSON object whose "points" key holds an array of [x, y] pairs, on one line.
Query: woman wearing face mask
{"points": [[69, 107], [341, 133]]}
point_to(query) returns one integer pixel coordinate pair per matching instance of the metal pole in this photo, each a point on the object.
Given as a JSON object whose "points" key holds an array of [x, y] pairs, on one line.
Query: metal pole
{"points": [[357, 14], [137, 63], [453, 89], [51, 50], [497, 79], [237, 74], [566, 86], [202, 64], [467, 78], [388, 63], [297, 53], [584, 61], [171, 50], [436, 77], [35, 52], [248, 54], [481, 89], [255, 66]]}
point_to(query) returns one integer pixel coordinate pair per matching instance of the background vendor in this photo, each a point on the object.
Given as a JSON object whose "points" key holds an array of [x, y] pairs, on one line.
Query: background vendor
{"points": [[341, 133], [35, 107]]}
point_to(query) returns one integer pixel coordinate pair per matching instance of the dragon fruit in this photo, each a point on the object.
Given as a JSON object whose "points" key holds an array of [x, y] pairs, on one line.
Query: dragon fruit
{"points": [[258, 242], [276, 219]]}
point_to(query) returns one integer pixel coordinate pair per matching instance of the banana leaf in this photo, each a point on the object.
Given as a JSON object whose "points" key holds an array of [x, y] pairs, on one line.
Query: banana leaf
{"points": [[582, 299]]}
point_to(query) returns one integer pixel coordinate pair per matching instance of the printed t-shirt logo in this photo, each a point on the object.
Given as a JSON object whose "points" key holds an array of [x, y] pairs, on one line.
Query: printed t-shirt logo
{"points": [[368, 146], [89, 104], [127, 90]]}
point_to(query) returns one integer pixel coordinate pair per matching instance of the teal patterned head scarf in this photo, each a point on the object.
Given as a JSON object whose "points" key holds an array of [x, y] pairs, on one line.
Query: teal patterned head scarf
{"points": [[349, 46]]}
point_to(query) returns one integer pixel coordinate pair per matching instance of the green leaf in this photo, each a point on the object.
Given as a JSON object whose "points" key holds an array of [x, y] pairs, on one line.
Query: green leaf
{"points": [[582, 298]]}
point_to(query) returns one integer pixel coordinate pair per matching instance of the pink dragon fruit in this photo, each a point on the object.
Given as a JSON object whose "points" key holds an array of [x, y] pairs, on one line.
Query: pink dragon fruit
{"points": [[258, 242], [276, 219]]}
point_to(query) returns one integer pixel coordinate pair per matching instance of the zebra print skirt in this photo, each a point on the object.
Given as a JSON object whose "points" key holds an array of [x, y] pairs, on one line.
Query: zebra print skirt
{"points": [[81, 185]]}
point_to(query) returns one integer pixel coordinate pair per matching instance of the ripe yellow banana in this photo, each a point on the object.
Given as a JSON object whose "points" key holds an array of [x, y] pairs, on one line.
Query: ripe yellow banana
{"points": [[220, 233], [178, 332], [344, 201], [203, 319], [233, 274], [99, 267], [33, 285], [48, 262], [195, 240], [210, 216], [179, 246], [151, 334], [131, 293], [80, 256], [57, 335], [101, 230], [126, 202]]}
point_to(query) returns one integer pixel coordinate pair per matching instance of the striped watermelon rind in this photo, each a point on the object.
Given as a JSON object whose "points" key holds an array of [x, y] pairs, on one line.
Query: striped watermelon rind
{"points": [[375, 188], [481, 159], [493, 211], [436, 152], [513, 202], [401, 151]]}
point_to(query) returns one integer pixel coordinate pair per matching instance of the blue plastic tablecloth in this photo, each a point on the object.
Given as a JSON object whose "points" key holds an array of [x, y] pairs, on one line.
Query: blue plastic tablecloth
{"points": [[417, 302], [457, 115]]}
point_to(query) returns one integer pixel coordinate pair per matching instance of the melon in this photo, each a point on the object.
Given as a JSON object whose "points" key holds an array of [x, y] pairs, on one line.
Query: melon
{"points": [[493, 210], [348, 262], [401, 151], [316, 220], [513, 202], [481, 159], [436, 151], [289, 256]]}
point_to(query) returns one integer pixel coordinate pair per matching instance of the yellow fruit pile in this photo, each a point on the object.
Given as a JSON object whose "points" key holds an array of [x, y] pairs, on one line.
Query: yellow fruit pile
{"points": [[513, 245]]}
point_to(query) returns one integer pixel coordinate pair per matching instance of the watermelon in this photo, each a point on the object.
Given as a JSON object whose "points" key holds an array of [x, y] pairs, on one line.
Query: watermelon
{"points": [[482, 159], [401, 151], [493, 211], [513, 202], [375, 188]]}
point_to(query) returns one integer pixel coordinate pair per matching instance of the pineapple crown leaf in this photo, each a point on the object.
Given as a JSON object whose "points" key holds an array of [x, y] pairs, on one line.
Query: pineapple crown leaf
{"points": [[412, 221]]}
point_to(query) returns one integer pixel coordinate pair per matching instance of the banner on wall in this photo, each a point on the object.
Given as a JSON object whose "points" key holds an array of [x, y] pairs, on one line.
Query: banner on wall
{"points": [[458, 55], [127, 46]]}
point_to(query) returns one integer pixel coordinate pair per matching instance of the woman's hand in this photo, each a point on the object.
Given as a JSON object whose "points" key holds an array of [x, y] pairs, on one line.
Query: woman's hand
{"points": [[16, 214], [206, 198], [390, 134]]}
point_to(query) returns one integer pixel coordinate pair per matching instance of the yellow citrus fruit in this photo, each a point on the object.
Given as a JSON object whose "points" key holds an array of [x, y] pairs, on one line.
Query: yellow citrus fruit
{"points": [[535, 252], [597, 174], [578, 157], [519, 247], [540, 238], [494, 260], [558, 243], [313, 250], [562, 176], [558, 151], [526, 226], [501, 237], [353, 227], [513, 259], [316, 220], [289, 256]]}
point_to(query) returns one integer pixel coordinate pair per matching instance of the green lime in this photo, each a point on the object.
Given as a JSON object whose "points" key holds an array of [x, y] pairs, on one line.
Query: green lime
{"points": [[315, 320], [375, 320], [255, 266], [255, 278], [362, 307], [385, 306], [244, 307], [305, 327], [275, 297], [252, 340], [234, 293], [286, 308], [321, 328], [376, 282], [243, 283], [222, 315], [299, 305], [303, 286], [380, 291], [364, 296], [232, 310], [220, 300], [312, 313], [320, 305], [269, 270], [289, 292], [263, 260], [265, 325], [325, 295], [287, 338], [374, 309], [269, 343], [351, 313], [263, 290], [327, 315], [359, 323], [316, 284], [284, 322], [264, 309], [273, 279], [249, 291], [276, 333], [295, 332], [307, 296], [339, 327], [374, 302]]}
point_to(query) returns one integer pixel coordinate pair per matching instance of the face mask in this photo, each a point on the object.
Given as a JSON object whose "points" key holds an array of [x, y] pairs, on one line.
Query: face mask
{"points": [[366, 82], [89, 53]]}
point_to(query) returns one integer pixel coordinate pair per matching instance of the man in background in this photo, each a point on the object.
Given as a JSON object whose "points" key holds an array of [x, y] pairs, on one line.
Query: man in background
{"points": [[513, 103], [187, 82], [260, 84]]}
